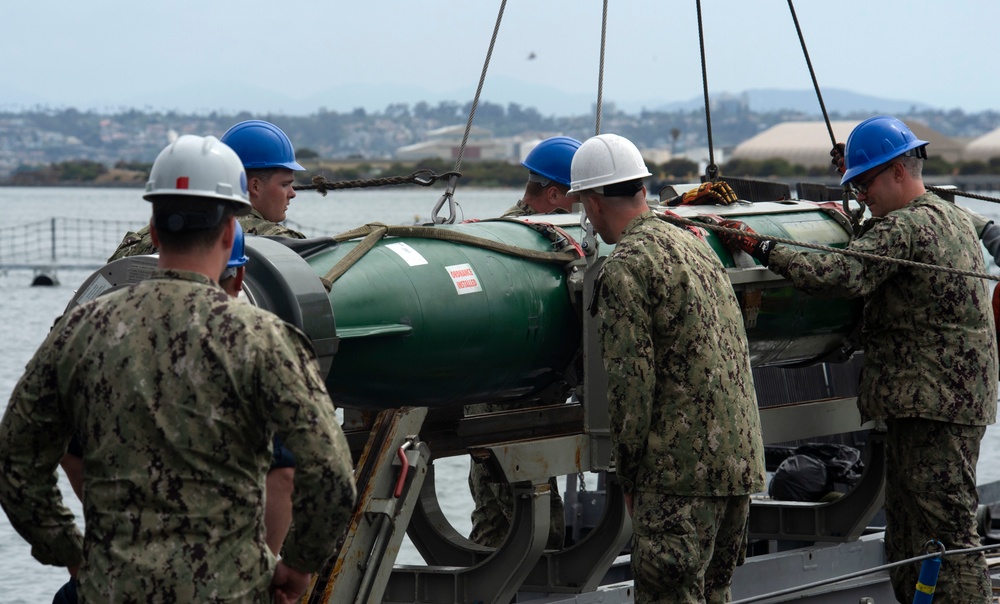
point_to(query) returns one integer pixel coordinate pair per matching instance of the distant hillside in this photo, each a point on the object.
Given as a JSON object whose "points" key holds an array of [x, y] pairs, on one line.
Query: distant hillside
{"points": [[765, 100], [231, 97]]}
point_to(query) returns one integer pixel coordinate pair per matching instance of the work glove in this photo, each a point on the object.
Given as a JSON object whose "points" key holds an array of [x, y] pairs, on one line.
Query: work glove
{"points": [[696, 231], [747, 240], [837, 153], [717, 193]]}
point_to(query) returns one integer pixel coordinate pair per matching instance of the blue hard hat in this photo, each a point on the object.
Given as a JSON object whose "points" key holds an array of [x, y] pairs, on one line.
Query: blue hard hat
{"points": [[238, 257], [552, 158], [875, 141], [261, 144]]}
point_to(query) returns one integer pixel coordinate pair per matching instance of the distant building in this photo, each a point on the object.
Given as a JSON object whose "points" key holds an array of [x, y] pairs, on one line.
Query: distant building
{"points": [[444, 143], [808, 143], [984, 148]]}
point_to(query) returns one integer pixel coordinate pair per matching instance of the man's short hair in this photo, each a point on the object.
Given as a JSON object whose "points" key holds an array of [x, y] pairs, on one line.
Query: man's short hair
{"points": [[534, 187], [627, 188], [914, 165], [262, 174], [182, 222]]}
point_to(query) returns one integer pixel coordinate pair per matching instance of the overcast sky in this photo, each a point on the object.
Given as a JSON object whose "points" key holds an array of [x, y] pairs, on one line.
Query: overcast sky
{"points": [[298, 55]]}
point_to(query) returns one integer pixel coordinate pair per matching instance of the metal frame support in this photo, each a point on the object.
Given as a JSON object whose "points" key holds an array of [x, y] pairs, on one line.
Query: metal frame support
{"points": [[390, 475], [843, 519], [594, 395]]}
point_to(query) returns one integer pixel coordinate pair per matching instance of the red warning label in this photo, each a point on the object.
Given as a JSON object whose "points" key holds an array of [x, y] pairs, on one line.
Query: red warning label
{"points": [[464, 278]]}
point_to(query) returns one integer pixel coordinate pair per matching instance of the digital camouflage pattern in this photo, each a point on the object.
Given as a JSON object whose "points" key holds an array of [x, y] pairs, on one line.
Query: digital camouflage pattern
{"points": [[494, 502], [255, 224], [494, 510], [175, 390], [519, 209], [931, 494], [683, 410], [671, 563], [930, 370], [137, 243], [928, 336]]}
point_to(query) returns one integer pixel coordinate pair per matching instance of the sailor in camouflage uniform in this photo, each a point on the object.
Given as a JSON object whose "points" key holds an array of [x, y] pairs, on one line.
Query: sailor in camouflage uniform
{"points": [[269, 160], [930, 366], [548, 167], [684, 419], [175, 390], [548, 178]]}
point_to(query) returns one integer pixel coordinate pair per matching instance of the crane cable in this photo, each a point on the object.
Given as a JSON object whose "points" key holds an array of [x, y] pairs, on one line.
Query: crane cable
{"points": [[600, 70], [856, 216], [449, 193], [711, 170]]}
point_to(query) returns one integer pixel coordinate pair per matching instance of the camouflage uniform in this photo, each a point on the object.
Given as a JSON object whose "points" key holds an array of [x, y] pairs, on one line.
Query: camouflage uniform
{"points": [[137, 243], [175, 390], [930, 370], [494, 510], [684, 417], [520, 209], [255, 224]]}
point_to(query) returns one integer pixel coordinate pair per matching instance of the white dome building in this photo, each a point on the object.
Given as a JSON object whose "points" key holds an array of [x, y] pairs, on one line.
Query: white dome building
{"points": [[808, 143], [983, 148]]}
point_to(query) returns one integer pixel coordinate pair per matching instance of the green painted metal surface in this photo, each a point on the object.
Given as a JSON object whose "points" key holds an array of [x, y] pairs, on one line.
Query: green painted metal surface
{"points": [[428, 322], [437, 323], [786, 326]]}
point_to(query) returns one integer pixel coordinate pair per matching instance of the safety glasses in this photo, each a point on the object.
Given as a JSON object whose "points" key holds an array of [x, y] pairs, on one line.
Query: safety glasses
{"points": [[862, 188]]}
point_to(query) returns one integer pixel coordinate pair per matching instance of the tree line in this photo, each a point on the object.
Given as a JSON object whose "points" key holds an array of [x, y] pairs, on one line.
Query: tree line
{"points": [[478, 174]]}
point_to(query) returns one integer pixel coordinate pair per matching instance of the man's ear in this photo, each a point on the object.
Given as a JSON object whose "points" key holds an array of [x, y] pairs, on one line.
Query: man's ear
{"points": [[253, 185], [153, 234], [229, 233], [552, 193]]}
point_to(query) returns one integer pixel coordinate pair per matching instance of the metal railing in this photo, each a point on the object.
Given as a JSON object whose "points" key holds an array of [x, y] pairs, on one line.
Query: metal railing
{"points": [[61, 242]]}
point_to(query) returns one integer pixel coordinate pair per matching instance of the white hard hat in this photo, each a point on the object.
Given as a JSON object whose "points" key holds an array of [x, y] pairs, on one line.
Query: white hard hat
{"points": [[605, 159], [199, 166]]}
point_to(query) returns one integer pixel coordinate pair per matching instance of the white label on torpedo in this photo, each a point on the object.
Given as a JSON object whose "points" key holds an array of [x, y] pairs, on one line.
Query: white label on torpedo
{"points": [[407, 253], [464, 278]]}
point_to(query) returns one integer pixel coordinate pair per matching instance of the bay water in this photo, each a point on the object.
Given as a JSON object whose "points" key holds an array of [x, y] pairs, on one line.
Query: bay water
{"points": [[27, 313]]}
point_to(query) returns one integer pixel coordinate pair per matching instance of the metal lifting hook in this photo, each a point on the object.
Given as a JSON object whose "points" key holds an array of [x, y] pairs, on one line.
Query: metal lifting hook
{"points": [[711, 172], [855, 214], [449, 196]]}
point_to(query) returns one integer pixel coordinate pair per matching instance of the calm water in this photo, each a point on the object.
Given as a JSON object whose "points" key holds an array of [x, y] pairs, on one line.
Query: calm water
{"points": [[26, 314]]}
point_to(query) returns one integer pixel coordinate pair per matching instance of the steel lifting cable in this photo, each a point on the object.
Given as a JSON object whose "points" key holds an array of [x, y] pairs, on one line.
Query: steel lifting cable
{"points": [[812, 74], [846, 196], [802, 589], [711, 170], [829, 125], [449, 194], [600, 70], [825, 248]]}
